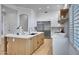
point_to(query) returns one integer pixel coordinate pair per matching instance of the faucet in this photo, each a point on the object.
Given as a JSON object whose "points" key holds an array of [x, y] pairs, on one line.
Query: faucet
{"points": [[17, 30], [20, 30]]}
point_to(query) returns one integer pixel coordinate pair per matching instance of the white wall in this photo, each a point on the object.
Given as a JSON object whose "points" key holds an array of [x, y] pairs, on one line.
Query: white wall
{"points": [[51, 16], [66, 28], [29, 12], [10, 22], [54, 30], [32, 21], [31, 17]]}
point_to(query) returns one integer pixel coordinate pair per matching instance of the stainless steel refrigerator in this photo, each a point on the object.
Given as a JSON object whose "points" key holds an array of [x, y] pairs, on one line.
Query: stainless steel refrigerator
{"points": [[44, 26]]}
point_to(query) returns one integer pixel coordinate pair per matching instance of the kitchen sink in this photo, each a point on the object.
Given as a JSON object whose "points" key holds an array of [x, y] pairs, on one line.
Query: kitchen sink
{"points": [[33, 33]]}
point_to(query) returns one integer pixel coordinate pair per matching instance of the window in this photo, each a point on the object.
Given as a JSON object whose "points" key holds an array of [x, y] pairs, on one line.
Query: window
{"points": [[71, 30], [74, 25]]}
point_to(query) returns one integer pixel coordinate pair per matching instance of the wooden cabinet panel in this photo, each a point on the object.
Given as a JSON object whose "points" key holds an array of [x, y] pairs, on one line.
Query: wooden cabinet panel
{"points": [[19, 46], [34, 43], [11, 48], [30, 46], [22, 46], [40, 39], [2, 46]]}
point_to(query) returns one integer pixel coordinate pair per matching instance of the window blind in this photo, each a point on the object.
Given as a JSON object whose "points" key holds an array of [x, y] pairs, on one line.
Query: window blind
{"points": [[71, 30], [74, 25]]}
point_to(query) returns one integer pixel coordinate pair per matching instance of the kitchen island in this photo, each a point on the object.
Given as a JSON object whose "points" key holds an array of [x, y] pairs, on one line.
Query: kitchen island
{"points": [[23, 44]]}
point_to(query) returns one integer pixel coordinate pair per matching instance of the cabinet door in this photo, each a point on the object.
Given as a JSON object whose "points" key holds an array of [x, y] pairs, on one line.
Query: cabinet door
{"points": [[31, 45], [34, 43], [10, 46], [20, 46], [40, 39], [2, 46]]}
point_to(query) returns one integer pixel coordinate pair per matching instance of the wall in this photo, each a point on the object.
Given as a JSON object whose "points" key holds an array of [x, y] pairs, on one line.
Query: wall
{"points": [[29, 12], [66, 28], [31, 17], [9, 17], [0, 19], [10, 22], [55, 29], [32, 21], [50, 16]]}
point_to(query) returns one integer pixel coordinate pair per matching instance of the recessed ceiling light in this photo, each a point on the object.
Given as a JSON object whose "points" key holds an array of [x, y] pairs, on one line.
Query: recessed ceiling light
{"points": [[47, 7], [40, 8], [3, 10]]}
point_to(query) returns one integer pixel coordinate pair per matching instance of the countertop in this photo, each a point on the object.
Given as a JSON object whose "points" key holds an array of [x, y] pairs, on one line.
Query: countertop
{"points": [[22, 36]]}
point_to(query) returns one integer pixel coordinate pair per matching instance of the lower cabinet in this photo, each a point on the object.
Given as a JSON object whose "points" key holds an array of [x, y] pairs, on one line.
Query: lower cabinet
{"points": [[2, 46], [34, 43], [40, 40], [10, 46], [24, 46], [17, 46]]}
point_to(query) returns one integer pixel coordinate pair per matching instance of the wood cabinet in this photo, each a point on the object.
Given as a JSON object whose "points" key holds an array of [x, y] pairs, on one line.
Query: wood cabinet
{"points": [[2, 46], [40, 39], [34, 43], [24, 46], [19, 46], [10, 46], [64, 16]]}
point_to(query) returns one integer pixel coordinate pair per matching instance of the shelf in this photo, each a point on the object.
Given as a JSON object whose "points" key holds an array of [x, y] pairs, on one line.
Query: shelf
{"points": [[63, 16]]}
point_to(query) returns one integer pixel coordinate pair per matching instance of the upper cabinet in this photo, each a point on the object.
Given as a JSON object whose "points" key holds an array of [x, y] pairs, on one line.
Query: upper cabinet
{"points": [[63, 17]]}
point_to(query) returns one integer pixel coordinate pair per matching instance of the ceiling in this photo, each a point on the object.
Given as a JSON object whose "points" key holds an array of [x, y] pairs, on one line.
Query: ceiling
{"points": [[7, 9], [42, 8]]}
